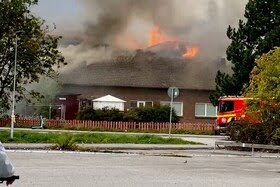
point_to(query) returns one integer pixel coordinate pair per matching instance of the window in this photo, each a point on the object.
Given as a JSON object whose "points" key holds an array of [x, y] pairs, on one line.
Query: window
{"points": [[149, 104], [177, 106], [133, 104], [138, 104], [226, 106], [141, 104], [205, 110]]}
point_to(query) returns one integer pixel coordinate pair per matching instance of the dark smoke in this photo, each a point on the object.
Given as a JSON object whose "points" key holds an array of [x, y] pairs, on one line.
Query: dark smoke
{"points": [[116, 15], [109, 23]]}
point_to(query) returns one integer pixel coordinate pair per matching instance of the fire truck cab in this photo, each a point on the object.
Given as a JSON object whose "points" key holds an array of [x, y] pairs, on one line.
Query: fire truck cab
{"points": [[230, 108]]}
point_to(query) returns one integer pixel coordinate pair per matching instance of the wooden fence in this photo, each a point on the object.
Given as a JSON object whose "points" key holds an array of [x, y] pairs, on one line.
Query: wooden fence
{"points": [[108, 125]]}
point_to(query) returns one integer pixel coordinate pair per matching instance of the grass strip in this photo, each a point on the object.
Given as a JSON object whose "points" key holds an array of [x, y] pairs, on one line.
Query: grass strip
{"points": [[36, 137]]}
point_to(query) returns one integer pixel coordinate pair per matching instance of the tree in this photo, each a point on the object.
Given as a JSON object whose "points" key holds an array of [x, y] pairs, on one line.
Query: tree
{"points": [[37, 54], [258, 34], [264, 87], [265, 78]]}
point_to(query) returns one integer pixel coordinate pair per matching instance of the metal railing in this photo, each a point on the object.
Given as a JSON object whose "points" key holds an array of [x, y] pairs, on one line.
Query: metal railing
{"points": [[245, 145]]}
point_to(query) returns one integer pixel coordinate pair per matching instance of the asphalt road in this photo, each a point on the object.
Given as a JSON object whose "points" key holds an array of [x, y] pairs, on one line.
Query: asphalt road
{"points": [[82, 169]]}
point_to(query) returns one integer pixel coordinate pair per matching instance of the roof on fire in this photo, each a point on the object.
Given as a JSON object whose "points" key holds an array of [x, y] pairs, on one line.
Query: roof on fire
{"points": [[145, 70]]}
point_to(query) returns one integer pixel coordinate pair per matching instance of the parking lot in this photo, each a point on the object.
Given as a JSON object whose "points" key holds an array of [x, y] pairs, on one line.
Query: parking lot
{"points": [[39, 168]]}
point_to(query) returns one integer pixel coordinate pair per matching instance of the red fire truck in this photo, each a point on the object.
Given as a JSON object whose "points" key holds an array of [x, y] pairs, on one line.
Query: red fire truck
{"points": [[230, 109], [234, 109]]}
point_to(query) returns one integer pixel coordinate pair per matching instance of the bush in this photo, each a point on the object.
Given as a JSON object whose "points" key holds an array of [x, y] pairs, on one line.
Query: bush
{"points": [[86, 114], [152, 114], [276, 137], [66, 142], [104, 114], [145, 114], [266, 131]]}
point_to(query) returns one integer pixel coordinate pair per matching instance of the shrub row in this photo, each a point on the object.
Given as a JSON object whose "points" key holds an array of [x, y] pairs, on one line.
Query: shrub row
{"points": [[267, 131], [145, 114]]}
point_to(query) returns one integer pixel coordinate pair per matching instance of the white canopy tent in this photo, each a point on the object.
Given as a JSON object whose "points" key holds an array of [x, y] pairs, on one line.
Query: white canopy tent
{"points": [[109, 102]]}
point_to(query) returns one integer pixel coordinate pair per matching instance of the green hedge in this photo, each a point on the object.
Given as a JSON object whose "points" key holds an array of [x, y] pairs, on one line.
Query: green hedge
{"points": [[104, 114], [145, 114], [151, 114]]}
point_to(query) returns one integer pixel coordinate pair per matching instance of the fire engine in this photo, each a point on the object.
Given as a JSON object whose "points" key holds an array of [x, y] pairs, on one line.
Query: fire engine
{"points": [[234, 109], [230, 108]]}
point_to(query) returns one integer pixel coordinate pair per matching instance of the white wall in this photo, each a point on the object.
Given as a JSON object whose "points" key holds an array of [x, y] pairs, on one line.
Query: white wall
{"points": [[103, 104]]}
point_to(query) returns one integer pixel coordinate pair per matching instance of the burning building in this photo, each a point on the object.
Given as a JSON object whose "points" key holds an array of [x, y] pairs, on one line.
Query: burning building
{"points": [[142, 77], [135, 50]]}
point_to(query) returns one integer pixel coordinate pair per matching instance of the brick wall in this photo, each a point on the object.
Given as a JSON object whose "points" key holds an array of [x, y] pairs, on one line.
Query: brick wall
{"points": [[188, 97]]}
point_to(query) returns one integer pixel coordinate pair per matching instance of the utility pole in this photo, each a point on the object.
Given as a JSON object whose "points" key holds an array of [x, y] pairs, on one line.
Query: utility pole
{"points": [[13, 118]]}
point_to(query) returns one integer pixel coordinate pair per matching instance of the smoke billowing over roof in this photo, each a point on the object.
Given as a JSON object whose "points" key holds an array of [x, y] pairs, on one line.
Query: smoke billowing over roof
{"points": [[148, 43]]}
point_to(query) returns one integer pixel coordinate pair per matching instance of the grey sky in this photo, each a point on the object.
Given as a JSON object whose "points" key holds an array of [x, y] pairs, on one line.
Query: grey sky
{"points": [[58, 12]]}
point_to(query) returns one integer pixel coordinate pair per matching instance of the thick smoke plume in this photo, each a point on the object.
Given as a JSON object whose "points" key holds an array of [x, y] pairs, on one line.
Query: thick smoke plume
{"points": [[114, 17], [119, 27], [127, 23], [186, 19]]}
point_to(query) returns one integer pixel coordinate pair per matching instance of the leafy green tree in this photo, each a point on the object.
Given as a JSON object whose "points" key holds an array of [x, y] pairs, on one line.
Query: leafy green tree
{"points": [[257, 34], [265, 78], [264, 87], [37, 53]]}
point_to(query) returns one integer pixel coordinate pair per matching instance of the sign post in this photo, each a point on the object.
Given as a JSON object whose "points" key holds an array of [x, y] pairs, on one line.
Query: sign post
{"points": [[172, 92]]}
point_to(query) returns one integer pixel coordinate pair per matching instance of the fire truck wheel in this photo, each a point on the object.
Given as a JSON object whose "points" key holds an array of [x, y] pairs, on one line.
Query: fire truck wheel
{"points": [[217, 132]]}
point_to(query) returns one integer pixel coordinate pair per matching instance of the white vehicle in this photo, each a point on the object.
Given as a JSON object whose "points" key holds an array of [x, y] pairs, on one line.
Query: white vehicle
{"points": [[7, 169]]}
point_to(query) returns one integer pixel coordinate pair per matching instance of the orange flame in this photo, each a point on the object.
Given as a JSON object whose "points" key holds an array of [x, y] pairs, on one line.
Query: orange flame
{"points": [[190, 52], [157, 36]]}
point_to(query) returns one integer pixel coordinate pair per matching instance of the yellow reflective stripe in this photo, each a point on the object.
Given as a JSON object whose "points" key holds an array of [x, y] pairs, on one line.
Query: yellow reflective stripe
{"points": [[229, 119], [226, 115]]}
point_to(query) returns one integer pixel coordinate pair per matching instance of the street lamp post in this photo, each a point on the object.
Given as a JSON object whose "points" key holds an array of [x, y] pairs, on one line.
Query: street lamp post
{"points": [[14, 92]]}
